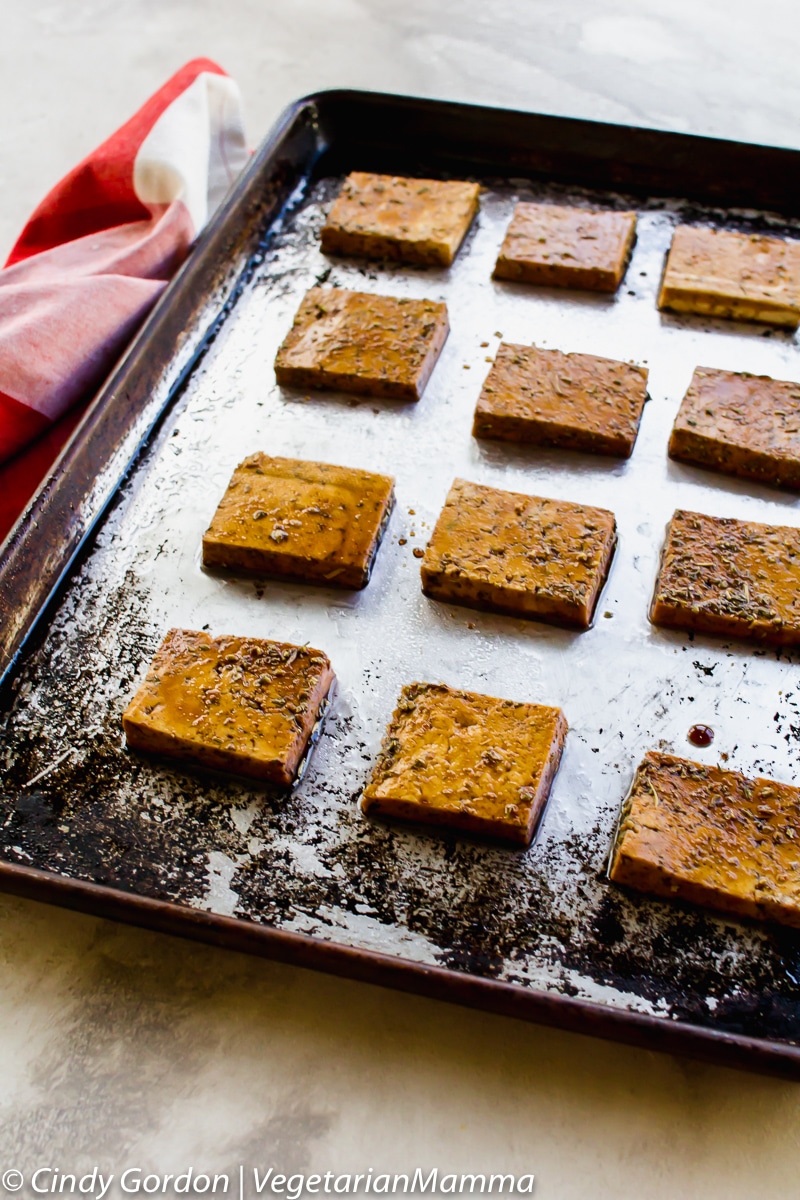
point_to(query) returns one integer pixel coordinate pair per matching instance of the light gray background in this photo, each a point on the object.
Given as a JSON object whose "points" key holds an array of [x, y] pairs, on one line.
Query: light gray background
{"points": [[127, 1049]]}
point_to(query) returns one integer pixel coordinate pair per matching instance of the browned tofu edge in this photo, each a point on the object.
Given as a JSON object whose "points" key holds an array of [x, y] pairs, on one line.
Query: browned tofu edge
{"points": [[535, 431], [707, 303], [340, 242], [714, 454], [669, 616]]}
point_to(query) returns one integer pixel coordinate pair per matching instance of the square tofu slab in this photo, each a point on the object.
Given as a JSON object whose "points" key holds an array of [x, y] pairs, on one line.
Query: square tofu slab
{"points": [[711, 837], [411, 220], [567, 247], [234, 704], [743, 276], [746, 425], [574, 401], [734, 578], [520, 555], [469, 762], [365, 344], [300, 520]]}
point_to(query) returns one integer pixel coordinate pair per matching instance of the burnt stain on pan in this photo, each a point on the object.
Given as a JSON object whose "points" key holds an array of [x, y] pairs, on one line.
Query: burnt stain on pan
{"points": [[106, 815]]}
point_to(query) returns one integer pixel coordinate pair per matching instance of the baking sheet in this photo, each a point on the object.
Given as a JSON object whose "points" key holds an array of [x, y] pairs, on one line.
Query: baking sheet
{"points": [[75, 803]]}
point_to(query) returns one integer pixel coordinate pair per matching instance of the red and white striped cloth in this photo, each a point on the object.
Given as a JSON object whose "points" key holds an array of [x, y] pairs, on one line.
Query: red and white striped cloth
{"points": [[96, 255]]}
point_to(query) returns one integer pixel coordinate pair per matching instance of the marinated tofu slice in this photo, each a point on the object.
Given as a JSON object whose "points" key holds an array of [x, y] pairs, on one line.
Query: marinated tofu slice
{"points": [[712, 837], [743, 276], [411, 220], [745, 425], [735, 578], [520, 555], [236, 704], [300, 520], [365, 344], [468, 762], [575, 401], [567, 247]]}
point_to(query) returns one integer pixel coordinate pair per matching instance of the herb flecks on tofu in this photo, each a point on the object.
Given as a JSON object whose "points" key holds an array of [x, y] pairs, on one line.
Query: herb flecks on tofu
{"points": [[468, 762], [740, 424], [522, 555], [290, 519], [243, 705], [711, 837], [559, 246], [361, 343], [420, 221], [572, 401]]}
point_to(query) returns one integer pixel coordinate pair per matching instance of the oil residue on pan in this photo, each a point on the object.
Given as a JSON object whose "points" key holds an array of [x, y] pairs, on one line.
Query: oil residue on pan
{"points": [[76, 803]]}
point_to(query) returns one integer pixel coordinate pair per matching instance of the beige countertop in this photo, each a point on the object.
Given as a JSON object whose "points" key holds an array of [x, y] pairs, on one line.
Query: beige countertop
{"points": [[120, 1048]]}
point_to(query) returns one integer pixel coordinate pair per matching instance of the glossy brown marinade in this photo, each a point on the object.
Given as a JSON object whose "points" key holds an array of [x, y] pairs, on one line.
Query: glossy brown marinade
{"points": [[729, 577], [567, 247], [234, 704], [467, 761], [300, 520], [742, 276], [574, 401], [365, 344], [520, 555], [712, 837], [700, 735], [411, 220], [745, 425]]}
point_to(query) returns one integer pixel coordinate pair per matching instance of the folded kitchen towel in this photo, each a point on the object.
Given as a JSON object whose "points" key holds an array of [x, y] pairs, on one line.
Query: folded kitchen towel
{"points": [[96, 255]]}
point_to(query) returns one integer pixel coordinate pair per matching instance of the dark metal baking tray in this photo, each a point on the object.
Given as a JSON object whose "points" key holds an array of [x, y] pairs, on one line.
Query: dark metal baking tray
{"points": [[107, 557]]}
